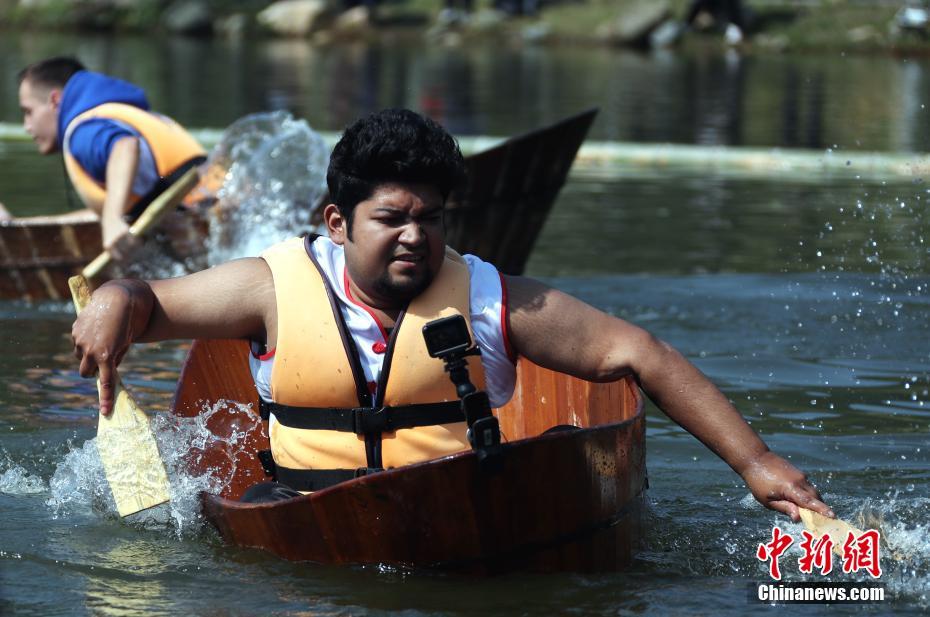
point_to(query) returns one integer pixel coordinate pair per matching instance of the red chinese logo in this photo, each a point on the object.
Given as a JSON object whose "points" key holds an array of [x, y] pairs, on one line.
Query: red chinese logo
{"points": [[818, 552], [773, 551], [858, 552], [862, 553]]}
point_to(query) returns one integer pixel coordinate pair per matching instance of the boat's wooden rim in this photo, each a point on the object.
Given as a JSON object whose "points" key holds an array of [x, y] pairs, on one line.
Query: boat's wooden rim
{"points": [[388, 475], [52, 220]]}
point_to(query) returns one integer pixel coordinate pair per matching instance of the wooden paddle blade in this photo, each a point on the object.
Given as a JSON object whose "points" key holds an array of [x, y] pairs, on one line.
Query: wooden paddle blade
{"points": [[130, 457], [159, 207], [127, 447], [819, 525]]}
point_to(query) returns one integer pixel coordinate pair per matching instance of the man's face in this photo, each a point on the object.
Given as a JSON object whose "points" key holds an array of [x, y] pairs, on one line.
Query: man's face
{"points": [[397, 244], [40, 114]]}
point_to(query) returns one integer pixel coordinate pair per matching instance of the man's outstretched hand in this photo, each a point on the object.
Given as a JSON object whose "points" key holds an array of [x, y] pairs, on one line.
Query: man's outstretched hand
{"points": [[779, 485], [102, 334]]}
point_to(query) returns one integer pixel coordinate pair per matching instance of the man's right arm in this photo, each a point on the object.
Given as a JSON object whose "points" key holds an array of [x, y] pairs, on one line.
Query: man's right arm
{"points": [[563, 333], [234, 300]]}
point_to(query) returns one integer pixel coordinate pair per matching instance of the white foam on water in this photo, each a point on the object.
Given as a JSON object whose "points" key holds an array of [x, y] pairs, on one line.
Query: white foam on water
{"points": [[183, 441], [79, 484], [904, 551], [15, 480], [149, 261], [904, 523]]}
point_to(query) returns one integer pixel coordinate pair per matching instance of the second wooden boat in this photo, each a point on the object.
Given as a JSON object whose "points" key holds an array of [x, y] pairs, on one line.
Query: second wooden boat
{"points": [[39, 254], [497, 216]]}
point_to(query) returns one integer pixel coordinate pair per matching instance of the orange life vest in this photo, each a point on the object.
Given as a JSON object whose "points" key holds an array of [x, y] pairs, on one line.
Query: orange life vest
{"points": [[316, 366], [172, 148]]}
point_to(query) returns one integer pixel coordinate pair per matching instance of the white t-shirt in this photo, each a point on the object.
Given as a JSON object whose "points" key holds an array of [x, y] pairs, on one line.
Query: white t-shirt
{"points": [[488, 323]]}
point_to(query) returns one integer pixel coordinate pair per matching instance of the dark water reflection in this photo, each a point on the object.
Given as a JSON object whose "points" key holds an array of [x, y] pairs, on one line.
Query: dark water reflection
{"points": [[853, 102]]}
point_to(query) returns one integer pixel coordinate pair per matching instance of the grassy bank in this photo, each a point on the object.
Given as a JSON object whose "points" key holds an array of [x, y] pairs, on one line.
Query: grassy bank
{"points": [[773, 25]]}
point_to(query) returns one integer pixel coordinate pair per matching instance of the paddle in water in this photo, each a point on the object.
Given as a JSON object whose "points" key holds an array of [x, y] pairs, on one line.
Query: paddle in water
{"points": [[125, 441], [820, 525]]}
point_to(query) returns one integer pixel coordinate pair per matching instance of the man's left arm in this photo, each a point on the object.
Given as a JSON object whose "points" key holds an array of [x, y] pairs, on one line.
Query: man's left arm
{"points": [[122, 165], [563, 333]]}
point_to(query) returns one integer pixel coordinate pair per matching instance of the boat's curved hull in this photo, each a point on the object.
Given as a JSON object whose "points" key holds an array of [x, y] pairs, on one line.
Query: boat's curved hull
{"points": [[38, 257], [563, 500]]}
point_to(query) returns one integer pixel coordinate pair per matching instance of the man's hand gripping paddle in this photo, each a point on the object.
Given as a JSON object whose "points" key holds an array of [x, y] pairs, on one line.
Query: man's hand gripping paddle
{"points": [[125, 442], [160, 206]]}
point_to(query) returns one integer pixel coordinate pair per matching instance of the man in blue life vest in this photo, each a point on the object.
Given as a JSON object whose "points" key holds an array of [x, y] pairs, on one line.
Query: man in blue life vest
{"points": [[118, 155], [336, 320]]}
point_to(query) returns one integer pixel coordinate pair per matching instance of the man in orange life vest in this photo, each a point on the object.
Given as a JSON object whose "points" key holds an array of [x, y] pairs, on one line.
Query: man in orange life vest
{"points": [[335, 324], [118, 155]]}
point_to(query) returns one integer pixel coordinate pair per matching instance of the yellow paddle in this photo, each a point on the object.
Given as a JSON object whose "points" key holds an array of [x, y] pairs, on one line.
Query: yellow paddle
{"points": [[818, 524], [160, 206], [125, 442]]}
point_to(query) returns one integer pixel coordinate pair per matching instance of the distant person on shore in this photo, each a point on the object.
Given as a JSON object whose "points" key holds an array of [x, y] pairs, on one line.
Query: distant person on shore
{"points": [[731, 11], [118, 155]]}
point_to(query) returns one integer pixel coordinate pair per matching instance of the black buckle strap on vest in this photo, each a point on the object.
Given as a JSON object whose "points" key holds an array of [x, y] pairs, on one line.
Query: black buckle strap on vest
{"points": [[264, 411], [363, 420], [317, 479], [268, 464]]}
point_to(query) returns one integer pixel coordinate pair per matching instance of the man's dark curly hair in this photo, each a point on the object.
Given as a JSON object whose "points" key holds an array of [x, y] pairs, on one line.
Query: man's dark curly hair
{"points": [[393, 145], [51, 72]]}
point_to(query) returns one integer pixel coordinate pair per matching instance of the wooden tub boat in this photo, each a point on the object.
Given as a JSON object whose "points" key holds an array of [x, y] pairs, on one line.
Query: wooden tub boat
{"points": [[568, 499], [39, 254], [497, 216]]}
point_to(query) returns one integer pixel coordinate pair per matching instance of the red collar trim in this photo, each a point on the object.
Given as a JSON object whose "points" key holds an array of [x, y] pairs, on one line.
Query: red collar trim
{"points": [[345, 282]]}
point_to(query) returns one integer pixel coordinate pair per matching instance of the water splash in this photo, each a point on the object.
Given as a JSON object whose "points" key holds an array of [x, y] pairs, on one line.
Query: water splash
{"points": [[276, 171], [904, 551], [150, 261], [15, 480], [730, 535], [79, 484]]}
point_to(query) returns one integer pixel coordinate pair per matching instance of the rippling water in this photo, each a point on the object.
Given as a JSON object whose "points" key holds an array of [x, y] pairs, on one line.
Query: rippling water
{"points": [[806, 300]]}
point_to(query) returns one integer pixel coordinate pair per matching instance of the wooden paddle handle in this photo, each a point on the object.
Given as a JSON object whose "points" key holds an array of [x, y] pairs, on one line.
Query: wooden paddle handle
{"points": [[159, 207]]}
